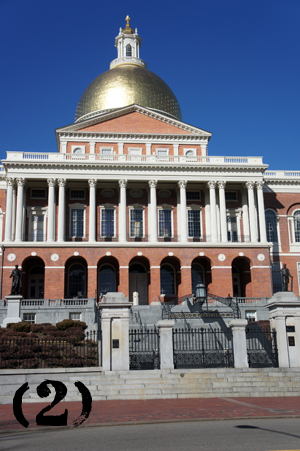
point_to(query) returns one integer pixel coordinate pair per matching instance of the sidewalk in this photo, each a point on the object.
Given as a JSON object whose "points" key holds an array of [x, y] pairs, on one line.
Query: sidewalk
{"points": [[158, 410]]}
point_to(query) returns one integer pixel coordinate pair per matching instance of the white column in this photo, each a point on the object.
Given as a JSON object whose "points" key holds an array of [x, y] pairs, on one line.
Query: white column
{"points": [[207, 216], [61, 210], [92, 147], [8, 209], [183, 212], [253, 235], [14, 207], [153, 211], [204, 149], [122, 211], [51, 209], [63, 147], [223, 218], [213, 213], [121, 147], [148, 148], [176, 147], [92, 210], [20, 199], [245, 216], [261, 211]]}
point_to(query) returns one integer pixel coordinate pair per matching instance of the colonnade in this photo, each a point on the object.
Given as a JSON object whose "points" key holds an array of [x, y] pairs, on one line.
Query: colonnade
{"points": [[253, 217]]}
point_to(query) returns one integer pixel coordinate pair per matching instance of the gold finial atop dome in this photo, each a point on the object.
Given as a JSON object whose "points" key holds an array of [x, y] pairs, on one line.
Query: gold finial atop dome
{"points": [[127, 29]]}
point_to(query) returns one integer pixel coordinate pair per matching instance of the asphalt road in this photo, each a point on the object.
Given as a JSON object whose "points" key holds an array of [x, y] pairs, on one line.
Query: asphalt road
{"points": [[227, 435]]}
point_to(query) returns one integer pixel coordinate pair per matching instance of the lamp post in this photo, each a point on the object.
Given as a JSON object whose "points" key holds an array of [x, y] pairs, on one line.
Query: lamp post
{"points": [[200, 293]]}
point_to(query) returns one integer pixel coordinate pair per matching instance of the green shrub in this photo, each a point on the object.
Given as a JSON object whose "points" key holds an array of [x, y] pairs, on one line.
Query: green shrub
{"points": [[68, 323], [20, 327]]}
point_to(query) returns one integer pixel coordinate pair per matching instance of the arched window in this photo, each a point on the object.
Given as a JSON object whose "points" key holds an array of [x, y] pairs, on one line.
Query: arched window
{"points": [[271, 226], [128, 50], [78, 150], [77, 280], [107, 279], [197, 276], [167, 280], [296, 215]]}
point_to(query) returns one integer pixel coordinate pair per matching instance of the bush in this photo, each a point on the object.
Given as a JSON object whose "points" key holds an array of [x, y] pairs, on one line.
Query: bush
{"points": [[40, 328], [68, 323], [20, 327]]}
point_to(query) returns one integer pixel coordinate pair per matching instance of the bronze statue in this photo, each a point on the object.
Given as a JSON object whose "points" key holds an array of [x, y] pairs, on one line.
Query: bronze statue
{"points": [[285, 276], [16, 286]]}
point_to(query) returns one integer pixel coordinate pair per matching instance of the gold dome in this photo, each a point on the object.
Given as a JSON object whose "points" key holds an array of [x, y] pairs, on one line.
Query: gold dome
{"points": [[125, 85]]}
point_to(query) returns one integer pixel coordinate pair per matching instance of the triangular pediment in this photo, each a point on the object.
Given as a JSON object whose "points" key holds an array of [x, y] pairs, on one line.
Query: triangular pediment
{"points": [[133, 120]]}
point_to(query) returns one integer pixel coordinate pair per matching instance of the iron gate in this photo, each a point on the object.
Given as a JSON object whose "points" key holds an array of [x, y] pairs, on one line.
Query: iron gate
{"points": [[202, 348], [261, 347], [144, 349]]}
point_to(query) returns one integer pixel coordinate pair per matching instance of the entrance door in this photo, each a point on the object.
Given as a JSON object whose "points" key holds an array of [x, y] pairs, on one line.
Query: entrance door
{"points": [[138, 281], [36, 283], [236, 282]]}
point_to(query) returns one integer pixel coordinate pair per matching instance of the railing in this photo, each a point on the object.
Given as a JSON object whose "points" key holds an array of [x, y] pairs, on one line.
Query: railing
{"points": [[144, 349], [134, 159], [282, 174], [261, 347], [33, 353], [56, 302], [202, 348]]}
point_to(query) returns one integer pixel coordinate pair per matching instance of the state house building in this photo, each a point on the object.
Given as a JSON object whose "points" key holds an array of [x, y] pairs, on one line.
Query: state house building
{"points": [[133, 202]]}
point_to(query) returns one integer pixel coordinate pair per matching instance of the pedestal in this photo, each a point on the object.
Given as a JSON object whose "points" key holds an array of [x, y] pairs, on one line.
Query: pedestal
{"points": [[238, 327], [13, 309]]}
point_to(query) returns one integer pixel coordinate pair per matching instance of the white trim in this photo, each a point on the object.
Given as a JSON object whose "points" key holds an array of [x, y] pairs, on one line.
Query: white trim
{"points": [[106, 147], [107, 206], [77, 206], [185, 267], [151, 267], [161, 208], [37, 211], [261, 267], [221, 267], [193, 207], [137, 207], [54, 267], [122, 267], [11, 267], [93, 267]]}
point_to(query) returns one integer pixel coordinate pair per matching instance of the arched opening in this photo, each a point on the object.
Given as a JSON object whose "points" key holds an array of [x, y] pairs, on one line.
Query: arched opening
{"points": [[128, 50], [241, 276], [197, 276], [33, 270], [139, 279], [200, 272], [169, 278], [108, 276], [76, 278]]}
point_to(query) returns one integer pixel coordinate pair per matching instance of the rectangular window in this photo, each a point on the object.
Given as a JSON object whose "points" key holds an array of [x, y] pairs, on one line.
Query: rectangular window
{"points": [[77, 222], [75, 316], [29, 318], [193, 195], [165, 223], [108, 222], [136, 223], [250, 315], [77, 194], [194, 228], [106, 151], [37, 227], [232, 228], [38, 193], [230, 195]]}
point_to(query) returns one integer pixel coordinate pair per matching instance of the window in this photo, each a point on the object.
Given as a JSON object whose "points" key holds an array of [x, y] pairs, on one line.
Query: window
{"points": [[296, 215], [75, 316], [190, 153], [37, 227], [78, 150], [77, 194], [128, 50], [167, 280], [193, 195], [108, 222], [250, 315], [38, 193], [77, 280], [136, 222], [230, 196], [106, 151], [197, 276], [107, 279], [165, 223], [29, 318], [77, 222], [232, 233], [194, 228], [271, 226], [162, 154]]}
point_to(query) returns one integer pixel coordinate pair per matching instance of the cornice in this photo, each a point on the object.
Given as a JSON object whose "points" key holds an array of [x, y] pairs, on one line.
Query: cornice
{"points": [[88, 136]]}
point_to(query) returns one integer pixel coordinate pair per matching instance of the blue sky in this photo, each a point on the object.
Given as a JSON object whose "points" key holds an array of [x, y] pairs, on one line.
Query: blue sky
{"points": [[234, 66]]}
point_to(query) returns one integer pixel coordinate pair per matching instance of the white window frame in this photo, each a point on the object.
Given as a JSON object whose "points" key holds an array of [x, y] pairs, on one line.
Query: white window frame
{"points": [[111, 149], [164, 157], [132, 150], [187, 149], [165, 207], [82, 148], [77, 206], [37, 211], [109, 207], [294, 245], [238, 215], [275, 246], [75, 313], [298, 272], [136, 207], [29, 321], [194, 207]]}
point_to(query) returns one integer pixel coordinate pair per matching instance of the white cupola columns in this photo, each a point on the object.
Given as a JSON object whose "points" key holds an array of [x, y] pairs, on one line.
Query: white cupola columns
{"points": [[153, 211], [223, 219], [61, 209], [261, 211], [20, 201], [8, 210], [183, 212], [92, 210], [252, 212], [213, 212], [122, 211], [51, 210]]}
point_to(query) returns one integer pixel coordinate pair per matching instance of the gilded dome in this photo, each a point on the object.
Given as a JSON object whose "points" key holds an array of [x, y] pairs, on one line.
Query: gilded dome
{"points": [[124, 85]]}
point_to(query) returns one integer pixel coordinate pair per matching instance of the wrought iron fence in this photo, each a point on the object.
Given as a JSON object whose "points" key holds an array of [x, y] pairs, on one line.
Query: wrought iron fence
{"points": [[144, 349], [202, 348], [31, 353], [261, 347]]}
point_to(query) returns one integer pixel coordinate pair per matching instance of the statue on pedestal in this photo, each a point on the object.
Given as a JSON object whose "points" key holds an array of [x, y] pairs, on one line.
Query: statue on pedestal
{"points": [[16, 286], [285, 276]]}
